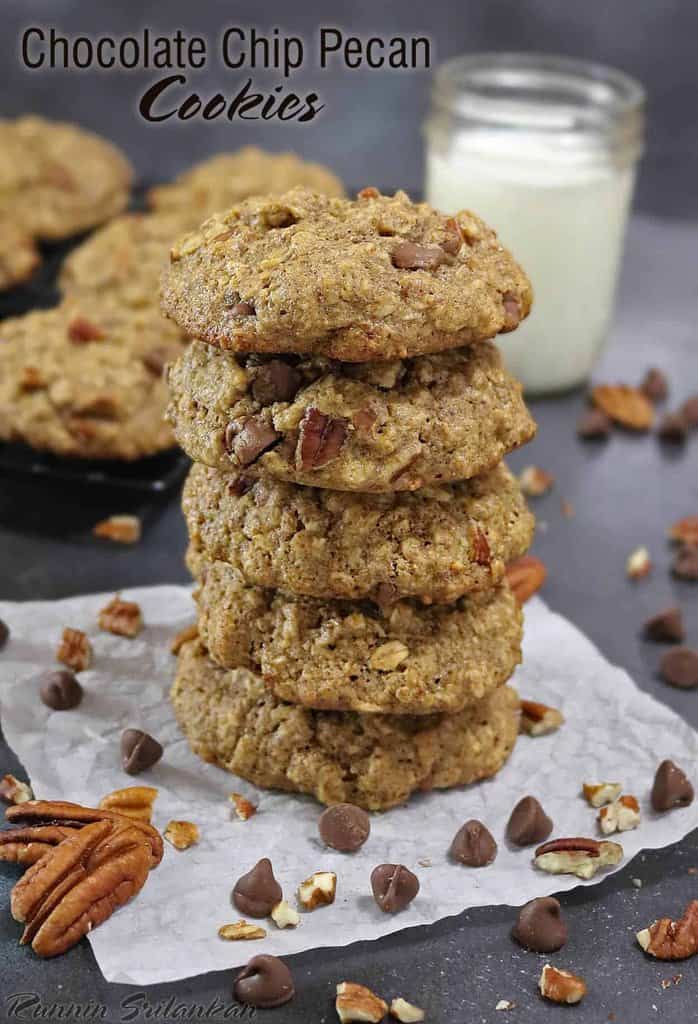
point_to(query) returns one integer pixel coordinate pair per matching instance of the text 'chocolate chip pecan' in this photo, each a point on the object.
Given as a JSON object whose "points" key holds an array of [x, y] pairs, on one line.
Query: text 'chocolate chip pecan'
{"points": [[577, 856]]}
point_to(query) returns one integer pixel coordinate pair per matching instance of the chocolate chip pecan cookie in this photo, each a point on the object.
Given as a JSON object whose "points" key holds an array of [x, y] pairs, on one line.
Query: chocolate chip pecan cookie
{"points": [[85, 379], [437, 543], [224, 179], [348, 426], [58, 179], [377, 278], [374, 761], [404, 658], [122, 261]]}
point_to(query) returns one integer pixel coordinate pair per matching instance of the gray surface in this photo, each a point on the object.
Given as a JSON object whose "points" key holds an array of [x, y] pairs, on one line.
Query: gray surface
{"points": [[372, 118], [625, 493]]}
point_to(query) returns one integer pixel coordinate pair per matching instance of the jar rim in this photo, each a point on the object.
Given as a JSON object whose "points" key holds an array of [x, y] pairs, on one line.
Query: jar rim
{"points": [[543, 90]]}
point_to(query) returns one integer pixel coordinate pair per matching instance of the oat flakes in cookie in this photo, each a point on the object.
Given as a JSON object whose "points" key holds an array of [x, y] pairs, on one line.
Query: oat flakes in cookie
{"points": [[387, 426], [376, 278], [340, 655], [436, 543], [373, 761], [226, 178], [75, 380]]}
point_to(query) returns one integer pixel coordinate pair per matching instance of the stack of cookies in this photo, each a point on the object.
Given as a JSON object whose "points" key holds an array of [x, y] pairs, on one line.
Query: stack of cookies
{"points": [[349, 515]]}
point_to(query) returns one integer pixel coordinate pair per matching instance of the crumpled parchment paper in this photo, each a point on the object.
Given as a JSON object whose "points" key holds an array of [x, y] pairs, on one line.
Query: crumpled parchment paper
{"points": [[613, 732]]}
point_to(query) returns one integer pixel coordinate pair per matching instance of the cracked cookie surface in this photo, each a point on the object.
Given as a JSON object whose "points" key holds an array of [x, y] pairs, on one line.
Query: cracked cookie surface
{"points": [[226, 178], [404, 658], [377, 278], [437, 543], [85, 379], [361, 426], [374, 761]]}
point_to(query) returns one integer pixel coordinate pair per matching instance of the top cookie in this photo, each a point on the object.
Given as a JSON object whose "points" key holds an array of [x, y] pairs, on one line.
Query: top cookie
{"points": [[224, 179], [375, 278], [57, 179]]}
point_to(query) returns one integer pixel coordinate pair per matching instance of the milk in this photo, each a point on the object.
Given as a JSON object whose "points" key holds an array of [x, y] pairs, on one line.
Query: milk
{"points": [[561, 207]]}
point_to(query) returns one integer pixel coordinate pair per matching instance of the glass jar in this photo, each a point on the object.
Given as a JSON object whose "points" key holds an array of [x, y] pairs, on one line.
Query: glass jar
{"points": [[545, 150]]}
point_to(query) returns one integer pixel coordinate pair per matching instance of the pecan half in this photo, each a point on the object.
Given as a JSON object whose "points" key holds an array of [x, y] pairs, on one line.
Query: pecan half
{"points": [[672, 940], [29, 844], [321, 439], [38, 813], [79, 884], [577, 856], [525, 576], [627, 406]]}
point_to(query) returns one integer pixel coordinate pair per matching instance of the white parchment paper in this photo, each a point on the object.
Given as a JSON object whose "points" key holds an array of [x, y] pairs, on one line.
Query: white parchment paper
{"points": [[613, 732]]}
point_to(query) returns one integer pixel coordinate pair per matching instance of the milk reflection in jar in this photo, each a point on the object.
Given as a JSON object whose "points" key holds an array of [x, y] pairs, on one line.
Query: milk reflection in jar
{"points": [[544, 149]]}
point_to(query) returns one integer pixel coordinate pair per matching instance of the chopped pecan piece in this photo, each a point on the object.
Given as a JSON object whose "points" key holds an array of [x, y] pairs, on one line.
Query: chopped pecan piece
{"points": [[82, 330], [184, 636], [561, 986], [672, 940], [628, 406], [32, 379], [539, 719], [599, 793], [638, 564], [241, 930], [358, 1003], [182, 834], [535, 481], [135, 802], [122, 529], [75, 650], [684, 531], [12, 791], [121, 617], [243, 807], [525, 576], [321, 439], [481, 547], [620, 816], [318, 890]]}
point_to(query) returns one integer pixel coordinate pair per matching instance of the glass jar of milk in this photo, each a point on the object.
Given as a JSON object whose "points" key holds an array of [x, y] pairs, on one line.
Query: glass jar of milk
{"points": [[545, 150]]}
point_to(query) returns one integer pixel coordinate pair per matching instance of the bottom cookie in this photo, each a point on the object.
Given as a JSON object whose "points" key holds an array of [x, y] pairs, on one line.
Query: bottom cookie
{"points": [[375, 761]]}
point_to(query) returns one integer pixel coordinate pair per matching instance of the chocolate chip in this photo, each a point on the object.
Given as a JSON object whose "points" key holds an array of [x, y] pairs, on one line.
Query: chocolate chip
{"points": [[257, 892], [321, 438], [679, 667], [4, 633], [671, 788], [60, 690], [593, 425], [344, 827], [454, 239], [410, 256], [512, 311], [249, 441], [82, 330], [276, 381], [528, 823], [689, 411], [385, 595], [394, 887], [655, 385], [243, 309], [265, 981], [139, 751], [673, 428], [473, 845], [686, 562], [240, 486], [540, 926], [666, 627]]}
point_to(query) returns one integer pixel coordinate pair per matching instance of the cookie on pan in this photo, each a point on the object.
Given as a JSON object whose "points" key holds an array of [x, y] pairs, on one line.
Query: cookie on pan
{"points": [[435, 544], [226, 178], [348, 426], [404, 659], [85, 379], [376, 278], [374, 761]]}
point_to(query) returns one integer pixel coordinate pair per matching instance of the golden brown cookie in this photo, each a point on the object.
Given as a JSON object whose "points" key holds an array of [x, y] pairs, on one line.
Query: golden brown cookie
{"points": [[374, 761], [85, 379], [436, 543], [377, 278], [226, 178], [404, 658], [348, 426]]}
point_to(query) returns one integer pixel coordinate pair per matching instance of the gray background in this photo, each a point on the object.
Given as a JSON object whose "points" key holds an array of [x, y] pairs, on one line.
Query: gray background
{"points": [[370, 130]]}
